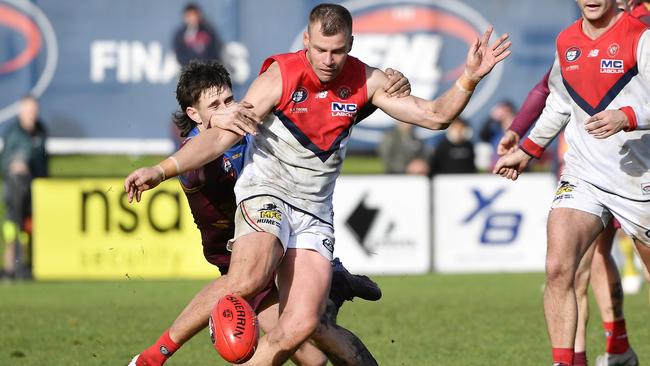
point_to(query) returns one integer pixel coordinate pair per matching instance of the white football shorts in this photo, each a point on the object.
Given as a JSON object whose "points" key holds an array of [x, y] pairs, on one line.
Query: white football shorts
{"points": [[634, 216], [294, 228]]}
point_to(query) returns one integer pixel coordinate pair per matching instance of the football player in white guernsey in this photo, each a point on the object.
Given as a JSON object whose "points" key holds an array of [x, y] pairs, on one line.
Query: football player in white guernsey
{"points": [[289, 238], [607, 166]]}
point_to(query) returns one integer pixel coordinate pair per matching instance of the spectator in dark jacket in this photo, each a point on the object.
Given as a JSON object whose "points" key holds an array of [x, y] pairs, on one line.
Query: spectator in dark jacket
{"points": [[196, 38], [23, 159], [455, 154]]}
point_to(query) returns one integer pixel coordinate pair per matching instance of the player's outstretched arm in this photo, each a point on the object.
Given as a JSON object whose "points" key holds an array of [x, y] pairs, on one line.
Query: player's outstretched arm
{"points": [[199, 151], [440, 112], [237, 118], [210, 144], [511, 165]]}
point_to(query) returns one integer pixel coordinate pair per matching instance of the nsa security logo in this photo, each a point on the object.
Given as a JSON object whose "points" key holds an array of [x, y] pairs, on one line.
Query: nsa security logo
{"points": [[611, 66], [344, 109]]}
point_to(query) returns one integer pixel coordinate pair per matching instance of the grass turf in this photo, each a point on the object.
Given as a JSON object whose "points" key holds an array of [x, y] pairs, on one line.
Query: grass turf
{"points": [[121, 165], [491, 319]]}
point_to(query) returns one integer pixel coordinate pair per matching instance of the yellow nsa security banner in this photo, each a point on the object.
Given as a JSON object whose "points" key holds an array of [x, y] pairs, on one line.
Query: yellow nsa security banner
{"points": [[86, 229]]}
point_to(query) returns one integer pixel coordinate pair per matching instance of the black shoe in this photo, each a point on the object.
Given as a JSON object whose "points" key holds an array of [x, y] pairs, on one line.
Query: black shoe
{"points": [[346, 286]]}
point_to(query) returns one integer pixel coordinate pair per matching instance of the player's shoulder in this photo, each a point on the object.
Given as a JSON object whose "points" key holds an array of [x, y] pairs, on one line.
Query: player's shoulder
{"points": [[375, 79], [285, 59], [572, 31]]}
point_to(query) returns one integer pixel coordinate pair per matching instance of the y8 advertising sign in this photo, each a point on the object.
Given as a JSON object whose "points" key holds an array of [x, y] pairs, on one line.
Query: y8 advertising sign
{"points": [[485, 223]]}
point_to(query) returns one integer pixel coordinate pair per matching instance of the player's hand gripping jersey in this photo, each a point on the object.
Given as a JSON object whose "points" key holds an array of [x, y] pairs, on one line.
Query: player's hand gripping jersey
{"points": [[298, 152], [590, 76]]}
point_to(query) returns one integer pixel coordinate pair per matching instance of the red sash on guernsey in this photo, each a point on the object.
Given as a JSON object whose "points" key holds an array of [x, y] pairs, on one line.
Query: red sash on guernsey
{"points": [[595, 71], [318, 115]]}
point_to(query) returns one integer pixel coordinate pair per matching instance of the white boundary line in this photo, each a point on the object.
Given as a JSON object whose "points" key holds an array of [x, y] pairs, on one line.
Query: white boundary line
{"points": [[66, 146]]}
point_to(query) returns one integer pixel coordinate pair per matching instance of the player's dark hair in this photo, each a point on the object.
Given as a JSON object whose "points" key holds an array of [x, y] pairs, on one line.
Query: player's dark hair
{"points": [[333, 18], [196, 78], [191, 7]]}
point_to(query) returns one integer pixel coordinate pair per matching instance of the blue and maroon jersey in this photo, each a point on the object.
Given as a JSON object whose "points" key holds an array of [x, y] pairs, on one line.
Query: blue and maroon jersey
{"points": [[298, 152], [209, 192]]}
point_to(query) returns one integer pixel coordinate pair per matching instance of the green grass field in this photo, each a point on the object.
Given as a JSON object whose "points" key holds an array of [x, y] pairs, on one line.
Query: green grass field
{"points": [[121, 165], [422, 320]]}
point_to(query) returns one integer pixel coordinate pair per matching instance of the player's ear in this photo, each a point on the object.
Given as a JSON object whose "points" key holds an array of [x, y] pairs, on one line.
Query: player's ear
{"points": [[305, 39], [351, 42], [193, 113]]}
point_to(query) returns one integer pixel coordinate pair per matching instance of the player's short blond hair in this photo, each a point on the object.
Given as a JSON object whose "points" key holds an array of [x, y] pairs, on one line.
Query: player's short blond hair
{"points": [[333, 19]]}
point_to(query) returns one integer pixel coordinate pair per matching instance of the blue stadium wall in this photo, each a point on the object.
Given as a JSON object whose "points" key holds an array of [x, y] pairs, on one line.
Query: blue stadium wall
{"points": [[106, 69]]}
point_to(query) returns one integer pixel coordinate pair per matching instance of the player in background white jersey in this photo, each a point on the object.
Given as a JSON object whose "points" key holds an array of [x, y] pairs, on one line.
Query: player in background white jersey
{"points": [[609, 151]]}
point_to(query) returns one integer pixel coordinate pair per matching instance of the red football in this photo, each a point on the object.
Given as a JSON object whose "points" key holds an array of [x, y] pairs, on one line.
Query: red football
{"points": [[234, 329]]}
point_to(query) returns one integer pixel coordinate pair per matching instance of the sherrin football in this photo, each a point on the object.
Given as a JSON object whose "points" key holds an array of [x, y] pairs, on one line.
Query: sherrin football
{"points": [[234, 329]]}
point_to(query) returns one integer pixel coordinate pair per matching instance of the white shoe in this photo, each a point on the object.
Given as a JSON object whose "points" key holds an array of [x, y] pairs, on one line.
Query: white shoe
{"points": [[132, 363], [631, 284], [612, 359]]}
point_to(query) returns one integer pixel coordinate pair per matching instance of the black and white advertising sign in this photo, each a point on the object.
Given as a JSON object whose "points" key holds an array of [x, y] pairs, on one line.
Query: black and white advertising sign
{"points": [[383, 224]]}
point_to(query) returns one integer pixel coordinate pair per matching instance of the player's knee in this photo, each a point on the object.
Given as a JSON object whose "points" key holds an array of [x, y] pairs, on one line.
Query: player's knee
{"points": [[310, 358], [308, 326], [246, 286], [301, 329], [559, 272]]}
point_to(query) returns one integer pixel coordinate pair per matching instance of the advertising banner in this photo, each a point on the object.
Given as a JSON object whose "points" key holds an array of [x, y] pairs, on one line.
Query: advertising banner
{"points": [[382, 224], [86, 229], [485, 223], [107, 70]]}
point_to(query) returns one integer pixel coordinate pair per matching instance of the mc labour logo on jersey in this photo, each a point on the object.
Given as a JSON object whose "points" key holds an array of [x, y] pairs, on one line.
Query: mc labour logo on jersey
{"points": [[35, 52], [427, 40]]}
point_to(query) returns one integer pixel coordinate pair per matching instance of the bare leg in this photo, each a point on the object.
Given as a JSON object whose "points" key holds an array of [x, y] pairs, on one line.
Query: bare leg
{"points": [[253, 261], [307, 354], [566, 246], [582, 298], [10, 257], [195, 315], [342, 347], [644, 252], [605, 279], [303, 279]]}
